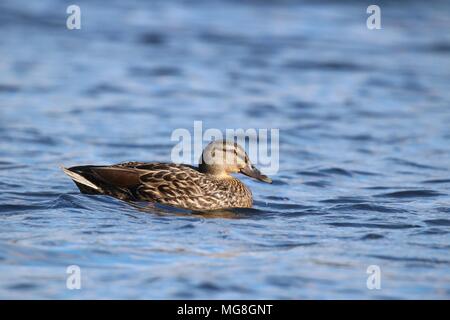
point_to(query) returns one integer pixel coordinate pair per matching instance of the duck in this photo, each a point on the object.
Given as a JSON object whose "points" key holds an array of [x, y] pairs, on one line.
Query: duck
{"points": [[209, 186]]}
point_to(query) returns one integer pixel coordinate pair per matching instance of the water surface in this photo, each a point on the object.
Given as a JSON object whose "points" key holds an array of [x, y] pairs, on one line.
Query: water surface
{"points": [[364, 147]]}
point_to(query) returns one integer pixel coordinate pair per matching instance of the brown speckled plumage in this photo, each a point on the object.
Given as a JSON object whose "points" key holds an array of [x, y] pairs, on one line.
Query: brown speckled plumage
{"points": [[176, 185]]}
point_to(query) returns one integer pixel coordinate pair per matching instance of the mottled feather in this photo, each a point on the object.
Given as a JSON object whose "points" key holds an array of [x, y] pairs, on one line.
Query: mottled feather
{"points": [[170, 184]]}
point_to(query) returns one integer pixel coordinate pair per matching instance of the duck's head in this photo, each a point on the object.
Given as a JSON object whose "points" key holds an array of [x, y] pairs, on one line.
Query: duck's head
{"points": [[221, 158]]}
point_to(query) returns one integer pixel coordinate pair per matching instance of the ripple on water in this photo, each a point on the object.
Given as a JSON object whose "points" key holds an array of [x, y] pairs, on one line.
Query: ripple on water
{"points": [[437, 181], [372, 236], [318, 184], [366, 173], [153, 38], [312, 211], [438, 222], [11, 209], [411, 259], [277, 198], [286, 206], [440, 47], [9, 88], [160, 71], [23, 286], [374, 225], [67, 201], [104, 88], [410, 194], [341, 66], [11, 166], [412, 164], [368, 207], [312, 173], [344, 200], [337, 171], [443, 209], [278, 182]]}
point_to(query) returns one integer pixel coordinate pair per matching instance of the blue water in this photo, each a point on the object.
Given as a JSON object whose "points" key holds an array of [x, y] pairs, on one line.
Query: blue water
{"points": [[364, 119]]}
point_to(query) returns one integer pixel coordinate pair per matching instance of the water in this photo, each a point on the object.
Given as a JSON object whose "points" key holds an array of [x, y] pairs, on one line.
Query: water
{"points": [[364, 147]]}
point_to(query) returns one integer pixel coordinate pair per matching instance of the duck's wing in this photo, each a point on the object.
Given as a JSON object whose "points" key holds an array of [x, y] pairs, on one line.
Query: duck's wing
{"points": [[182, 186], [164, 181], [119, 182], [171, 184], [161, 182]]}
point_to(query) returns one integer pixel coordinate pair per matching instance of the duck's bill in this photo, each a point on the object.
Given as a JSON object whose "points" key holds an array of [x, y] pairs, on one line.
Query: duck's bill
{"points": [[252, 172]]}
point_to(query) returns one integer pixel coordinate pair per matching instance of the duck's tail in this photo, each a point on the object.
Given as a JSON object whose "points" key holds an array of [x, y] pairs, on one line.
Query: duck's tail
{"points": [[83, 184], [107, 180]]}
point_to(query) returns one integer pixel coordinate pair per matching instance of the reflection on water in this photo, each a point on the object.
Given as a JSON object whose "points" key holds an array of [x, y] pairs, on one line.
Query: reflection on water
{"points": [[364, 158]]}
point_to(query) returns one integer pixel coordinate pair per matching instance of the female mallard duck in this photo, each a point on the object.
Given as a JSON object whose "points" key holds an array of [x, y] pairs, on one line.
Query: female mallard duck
{"points": [[206, 187]]}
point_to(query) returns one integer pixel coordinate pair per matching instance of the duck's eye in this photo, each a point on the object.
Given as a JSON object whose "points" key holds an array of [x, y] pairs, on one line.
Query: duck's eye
{"points": [[235, 152]]}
